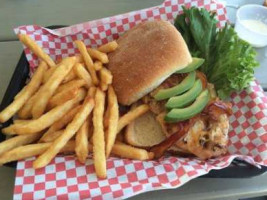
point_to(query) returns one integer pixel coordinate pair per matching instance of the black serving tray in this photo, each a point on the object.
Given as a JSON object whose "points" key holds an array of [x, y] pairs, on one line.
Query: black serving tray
{"points": [[238, 169]]}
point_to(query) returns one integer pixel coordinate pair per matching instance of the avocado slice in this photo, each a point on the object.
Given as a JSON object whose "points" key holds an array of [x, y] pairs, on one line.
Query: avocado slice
{"points": [[186, 98], [185, 85], [196, 63], [181, 114]]}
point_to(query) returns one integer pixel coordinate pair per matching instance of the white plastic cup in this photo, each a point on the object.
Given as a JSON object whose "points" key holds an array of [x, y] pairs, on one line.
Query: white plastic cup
{"points": [[251, 12]]}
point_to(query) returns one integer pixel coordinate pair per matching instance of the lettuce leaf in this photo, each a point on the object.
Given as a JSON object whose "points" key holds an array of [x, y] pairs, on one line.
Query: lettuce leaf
{"points": [[229, 61]]}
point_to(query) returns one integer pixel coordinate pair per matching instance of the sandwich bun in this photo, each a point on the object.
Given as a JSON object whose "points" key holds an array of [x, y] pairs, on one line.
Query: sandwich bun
{"points": [[146, 55]]}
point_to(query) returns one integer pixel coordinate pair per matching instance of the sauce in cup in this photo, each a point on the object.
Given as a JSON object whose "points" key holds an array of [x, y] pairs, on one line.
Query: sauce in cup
{"points": [[255, 25]]}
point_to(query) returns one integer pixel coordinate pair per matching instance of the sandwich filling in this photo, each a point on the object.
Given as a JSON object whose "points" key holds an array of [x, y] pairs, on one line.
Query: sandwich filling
{"points": [[207, 132]]}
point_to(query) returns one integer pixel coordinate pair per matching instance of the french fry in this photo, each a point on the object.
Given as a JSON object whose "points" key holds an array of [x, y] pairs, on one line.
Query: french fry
{"points": [[32, 87], [51, 113], [31, 150], [82, 73], [25, 111], [61, 123], [113, 118], [51, 85], [106, 78], [91, 93], [81, 141], [21, 121], [98, 65], [70, 130], [20, 92], [48, 74], [36, 49], [52, 136], [70, 76], [61, 98], [48, 118], [103, 86], [88, 60], [23, 152], [109, 47], [127, 151], [71, 85], [95, 54], [10, 130], [99, 156], [18, 141], [79, 58], [131, 116]]}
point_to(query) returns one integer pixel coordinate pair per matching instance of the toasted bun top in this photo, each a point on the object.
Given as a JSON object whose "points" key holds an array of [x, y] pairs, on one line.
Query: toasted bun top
{"points": [[147, 54]]}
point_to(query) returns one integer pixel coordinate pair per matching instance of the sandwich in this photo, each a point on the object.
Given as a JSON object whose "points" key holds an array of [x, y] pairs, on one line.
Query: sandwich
{"points": [[152, 65]]}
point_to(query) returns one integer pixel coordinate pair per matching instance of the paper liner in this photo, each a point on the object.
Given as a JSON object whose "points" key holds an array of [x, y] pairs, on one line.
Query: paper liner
{"points": [[66, 178]]}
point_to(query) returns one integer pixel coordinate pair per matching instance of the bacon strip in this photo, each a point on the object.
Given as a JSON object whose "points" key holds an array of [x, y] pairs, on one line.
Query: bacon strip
{"points": [[160, 148]]}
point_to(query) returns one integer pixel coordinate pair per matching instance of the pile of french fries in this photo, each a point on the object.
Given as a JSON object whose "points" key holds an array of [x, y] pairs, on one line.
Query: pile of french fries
{"points": [[68, 107]]}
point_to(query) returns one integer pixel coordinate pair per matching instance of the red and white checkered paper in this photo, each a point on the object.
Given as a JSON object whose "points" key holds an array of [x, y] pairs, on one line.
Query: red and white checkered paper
{"points": [[66, 178]]}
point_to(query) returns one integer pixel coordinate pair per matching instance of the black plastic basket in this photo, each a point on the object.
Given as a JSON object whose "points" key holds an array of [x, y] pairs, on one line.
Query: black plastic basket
{"points": [[238, 168]]}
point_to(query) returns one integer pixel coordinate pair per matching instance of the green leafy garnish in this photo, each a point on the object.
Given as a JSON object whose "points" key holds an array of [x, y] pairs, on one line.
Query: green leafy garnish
{"points": [[229, 61]]}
